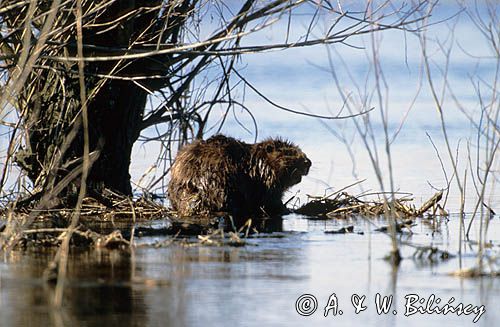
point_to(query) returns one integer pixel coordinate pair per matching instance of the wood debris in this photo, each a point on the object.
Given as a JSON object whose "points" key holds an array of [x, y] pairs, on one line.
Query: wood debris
{"points": [[344, 205]]}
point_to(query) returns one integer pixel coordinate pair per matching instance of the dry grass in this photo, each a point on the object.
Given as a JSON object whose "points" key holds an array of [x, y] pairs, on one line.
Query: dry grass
{"points": [[112, 221]]}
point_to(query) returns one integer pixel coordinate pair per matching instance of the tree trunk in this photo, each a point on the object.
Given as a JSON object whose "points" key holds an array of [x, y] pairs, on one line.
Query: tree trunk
{"points": [[54, 137], [49, 101], [115, 117]]}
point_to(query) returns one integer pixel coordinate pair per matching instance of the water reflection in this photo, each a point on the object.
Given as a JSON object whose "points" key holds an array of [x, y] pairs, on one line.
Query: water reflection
{"points": [[99, 290], [252, 285]]}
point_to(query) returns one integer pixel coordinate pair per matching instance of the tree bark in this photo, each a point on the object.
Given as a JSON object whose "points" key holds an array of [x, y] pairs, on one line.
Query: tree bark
{"points": [[54, 142], [115, 117]]}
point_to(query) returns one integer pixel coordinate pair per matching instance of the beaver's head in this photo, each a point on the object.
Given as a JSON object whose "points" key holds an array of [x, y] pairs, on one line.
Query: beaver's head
{"points": [[283, 163]]}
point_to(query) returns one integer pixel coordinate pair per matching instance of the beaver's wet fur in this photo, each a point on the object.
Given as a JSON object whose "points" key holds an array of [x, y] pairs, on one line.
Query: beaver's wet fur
{"points": [[225, 175]]}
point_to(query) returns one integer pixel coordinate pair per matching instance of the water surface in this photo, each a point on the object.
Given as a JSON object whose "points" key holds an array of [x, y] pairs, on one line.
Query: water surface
{"points": [[254, 285]]}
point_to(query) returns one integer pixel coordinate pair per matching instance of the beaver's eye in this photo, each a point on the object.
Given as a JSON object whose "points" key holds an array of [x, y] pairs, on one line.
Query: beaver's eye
{"points": [[269, 148]]}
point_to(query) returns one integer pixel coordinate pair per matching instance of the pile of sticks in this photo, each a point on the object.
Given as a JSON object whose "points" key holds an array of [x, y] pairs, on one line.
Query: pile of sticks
{"points": [[343, 205]]}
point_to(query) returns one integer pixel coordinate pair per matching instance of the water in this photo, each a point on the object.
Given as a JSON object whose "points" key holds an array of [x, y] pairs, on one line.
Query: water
{"points": [[254, 285]]}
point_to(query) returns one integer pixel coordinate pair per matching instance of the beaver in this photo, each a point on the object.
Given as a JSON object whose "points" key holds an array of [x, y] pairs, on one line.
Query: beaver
{"points": [[223, 174]]}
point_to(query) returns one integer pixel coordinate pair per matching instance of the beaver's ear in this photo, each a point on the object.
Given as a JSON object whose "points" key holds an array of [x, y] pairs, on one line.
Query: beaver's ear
{"points": [[269, 148]]}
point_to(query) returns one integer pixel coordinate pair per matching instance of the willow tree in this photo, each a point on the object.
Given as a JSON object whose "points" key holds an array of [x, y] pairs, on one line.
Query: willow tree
{"points": [[77, 74]]}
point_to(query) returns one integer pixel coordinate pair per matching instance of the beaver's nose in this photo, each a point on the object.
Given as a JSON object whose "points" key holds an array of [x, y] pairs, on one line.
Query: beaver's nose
{"points": [[307, 162]]}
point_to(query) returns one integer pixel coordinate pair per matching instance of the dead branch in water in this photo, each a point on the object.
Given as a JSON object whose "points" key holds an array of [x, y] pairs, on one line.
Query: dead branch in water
{"points": [[344, 205]]}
